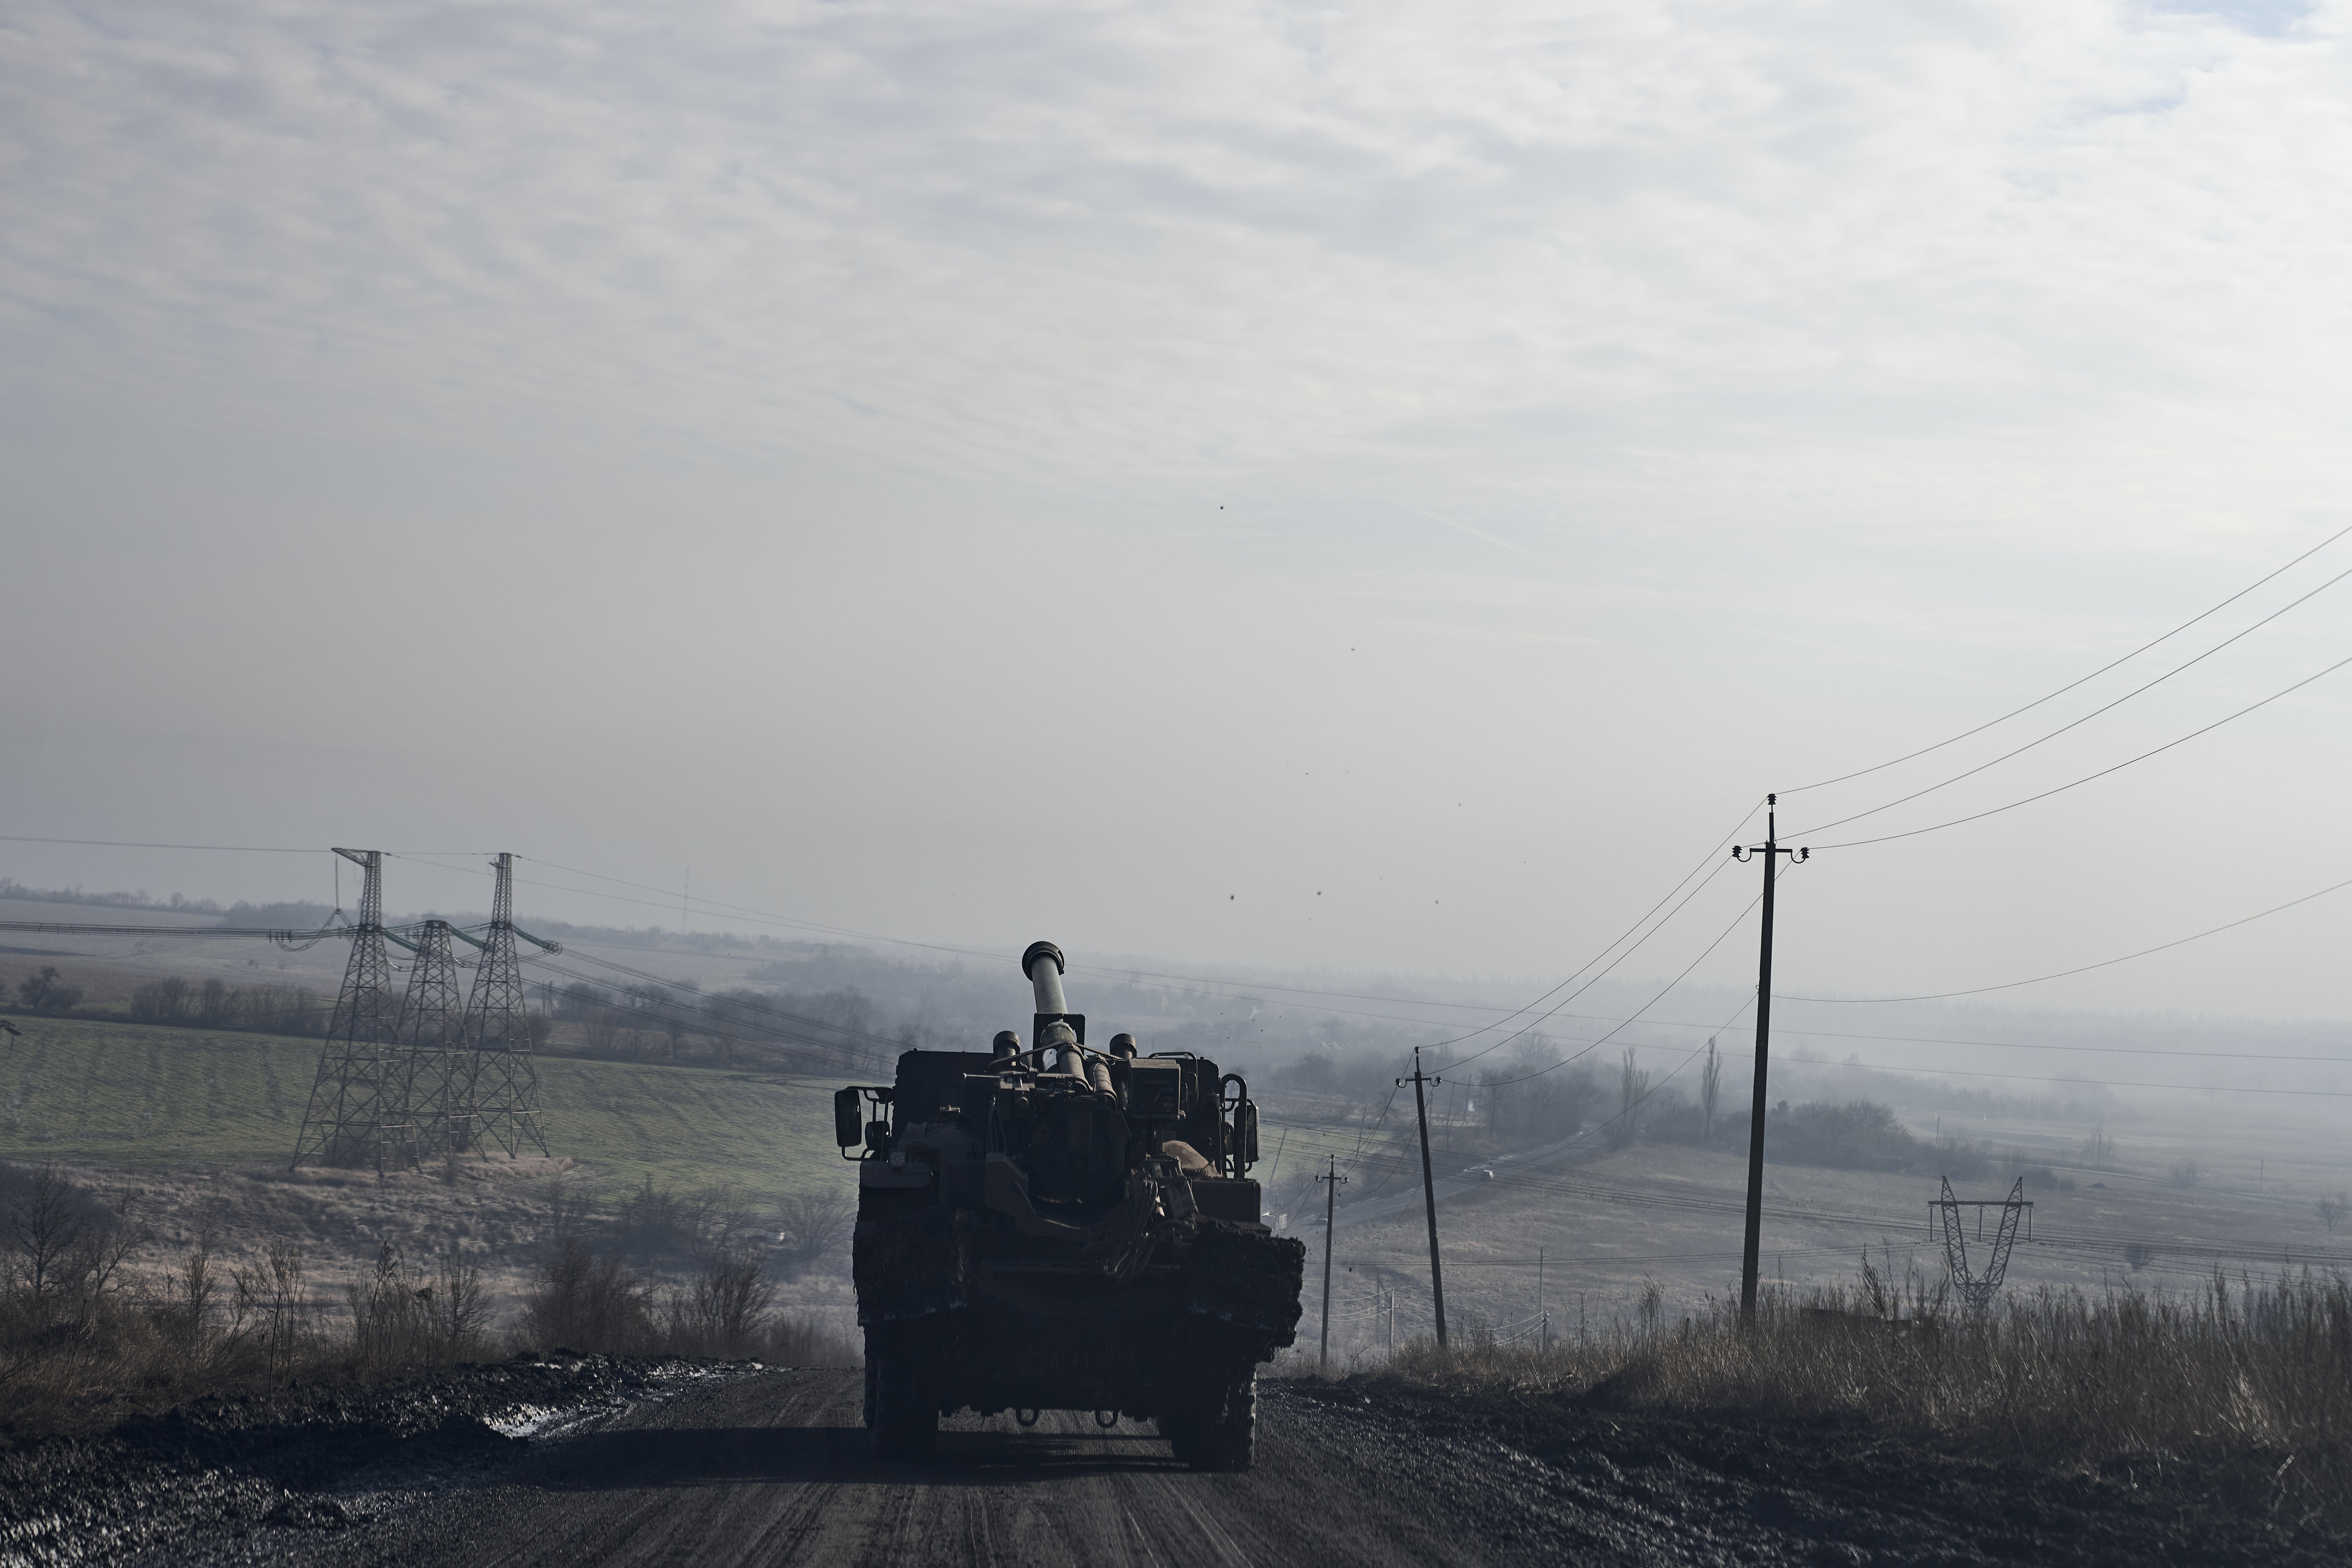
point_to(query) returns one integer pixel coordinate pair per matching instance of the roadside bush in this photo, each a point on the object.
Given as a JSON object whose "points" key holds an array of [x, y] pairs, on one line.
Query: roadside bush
{"points": [[724, 1309], [47, 992], [586, 1302], [2226, 1369], [812, 1226]]}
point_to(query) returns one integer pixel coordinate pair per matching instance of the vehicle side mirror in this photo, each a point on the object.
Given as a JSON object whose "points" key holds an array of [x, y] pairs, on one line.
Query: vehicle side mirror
{"points": [[848, 1119]]}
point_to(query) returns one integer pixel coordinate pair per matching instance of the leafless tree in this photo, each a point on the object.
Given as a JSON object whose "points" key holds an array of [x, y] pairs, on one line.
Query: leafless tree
{"points": [[47, 992], [1711, 1087], [1633, 1086], [191, 1293], [456, 1310], [587, 1302], [275, 1296], [809, 1226], [2332, 1208], [723, 1310], [46, 1231]]}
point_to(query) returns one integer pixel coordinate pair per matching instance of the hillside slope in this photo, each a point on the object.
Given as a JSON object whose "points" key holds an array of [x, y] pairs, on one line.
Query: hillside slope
{"points": [[145, 1096]]}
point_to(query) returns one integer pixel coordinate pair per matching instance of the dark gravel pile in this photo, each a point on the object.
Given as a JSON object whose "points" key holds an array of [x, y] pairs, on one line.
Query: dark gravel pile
{"points": [[239, 1461]]}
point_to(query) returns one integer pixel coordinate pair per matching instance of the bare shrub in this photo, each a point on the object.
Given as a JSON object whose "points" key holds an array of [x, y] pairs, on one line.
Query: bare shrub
{"points": [[47, 992], [62, 1251], [588, 1302], [657, 1222], [811, 1226], [1632, 1088], [164, 1001], [724, 1309], [217, 1006], [2332, 1208], [66, 1332], [573, 1203], [275, 1298], [389, 1323], [192, 1295], [1558, 1103]]}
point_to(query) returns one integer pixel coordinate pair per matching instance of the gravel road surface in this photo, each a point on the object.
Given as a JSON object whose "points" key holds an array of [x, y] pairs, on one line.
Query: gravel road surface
{"points": [[611, 1461], [770, 1467]]}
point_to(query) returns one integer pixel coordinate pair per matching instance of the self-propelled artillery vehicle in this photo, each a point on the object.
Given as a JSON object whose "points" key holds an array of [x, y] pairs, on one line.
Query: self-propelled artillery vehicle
{"points": [[1065, 1227]]}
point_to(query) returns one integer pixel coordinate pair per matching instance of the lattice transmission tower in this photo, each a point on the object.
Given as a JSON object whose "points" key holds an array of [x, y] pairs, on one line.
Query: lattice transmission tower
{"points": [[502, 1079], [1978, 1289], [435, 1075], [359, 1112]]}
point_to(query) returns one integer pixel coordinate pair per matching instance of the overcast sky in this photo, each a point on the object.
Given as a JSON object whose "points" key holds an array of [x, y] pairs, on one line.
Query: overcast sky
{"points": [[1376, 488]]}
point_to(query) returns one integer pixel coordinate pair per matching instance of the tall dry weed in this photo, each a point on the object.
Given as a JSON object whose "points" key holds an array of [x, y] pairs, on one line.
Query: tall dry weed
{"points": [[2231, 1367]]}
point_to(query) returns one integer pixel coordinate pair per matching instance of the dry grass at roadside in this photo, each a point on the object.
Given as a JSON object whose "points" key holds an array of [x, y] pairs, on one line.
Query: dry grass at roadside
{"points": [[85, 1340], [2233, 1373]]}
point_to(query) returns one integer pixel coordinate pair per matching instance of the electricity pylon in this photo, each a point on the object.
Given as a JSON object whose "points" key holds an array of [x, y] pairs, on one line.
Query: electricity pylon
{"points": [[359, 1112], [435, 1080], [1978, 1289], [502, 1079]]}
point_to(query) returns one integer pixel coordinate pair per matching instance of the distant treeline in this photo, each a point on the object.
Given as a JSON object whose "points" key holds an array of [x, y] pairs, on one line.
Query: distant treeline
{"points": [[216, 1005], [12, 889], [740, 1027]]}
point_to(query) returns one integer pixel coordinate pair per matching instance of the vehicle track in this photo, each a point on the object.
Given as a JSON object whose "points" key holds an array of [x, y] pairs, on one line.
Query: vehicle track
{"points": [[771, 1468]]}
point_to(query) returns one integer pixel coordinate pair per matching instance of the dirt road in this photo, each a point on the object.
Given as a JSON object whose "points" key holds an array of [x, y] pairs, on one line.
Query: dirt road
{"points": [[631, 1463], [770, 1468]]}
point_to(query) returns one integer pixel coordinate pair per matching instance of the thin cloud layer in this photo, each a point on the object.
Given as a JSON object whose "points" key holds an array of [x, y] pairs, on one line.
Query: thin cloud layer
{"points": [[1092, 242]]}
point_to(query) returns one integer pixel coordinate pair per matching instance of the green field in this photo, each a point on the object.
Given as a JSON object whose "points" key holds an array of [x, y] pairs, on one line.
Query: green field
{"points": [[138, 1095]]}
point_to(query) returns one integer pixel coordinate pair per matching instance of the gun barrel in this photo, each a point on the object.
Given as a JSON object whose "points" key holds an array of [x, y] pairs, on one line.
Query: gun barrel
{"points": [[1042, 964]]}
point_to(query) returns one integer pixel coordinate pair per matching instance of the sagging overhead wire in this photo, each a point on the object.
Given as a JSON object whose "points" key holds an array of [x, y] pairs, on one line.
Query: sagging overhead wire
{"points": [[2126, 659], [2076, 724], [2087, 778], [1736, 921], [1999, 1045], [2083, 968], [1713, 866], [1715, 855]]}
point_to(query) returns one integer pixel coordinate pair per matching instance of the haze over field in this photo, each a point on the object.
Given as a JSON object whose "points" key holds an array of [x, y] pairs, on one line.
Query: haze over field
{"points": [[1267, 487]]}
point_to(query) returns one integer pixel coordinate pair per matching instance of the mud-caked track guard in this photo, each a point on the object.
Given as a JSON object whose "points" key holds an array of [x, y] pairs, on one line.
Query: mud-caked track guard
{"points": [[1063, 1227]]}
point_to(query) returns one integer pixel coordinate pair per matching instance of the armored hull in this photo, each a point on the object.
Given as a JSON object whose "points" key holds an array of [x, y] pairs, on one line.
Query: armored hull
{"points": [[1063, 1229]]}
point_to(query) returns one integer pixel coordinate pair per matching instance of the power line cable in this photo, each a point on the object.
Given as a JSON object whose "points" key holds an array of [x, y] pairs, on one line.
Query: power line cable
{"points": [[1998, 1045], [2084, 968], [2076, 724], [1736, 921], [130, 844], [2087, 778], [2071, 685]]}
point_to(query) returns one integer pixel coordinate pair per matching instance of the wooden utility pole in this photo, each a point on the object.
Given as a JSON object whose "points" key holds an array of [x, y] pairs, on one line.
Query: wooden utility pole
{"points": [[1770, 851], [1330, 1208], [1428, 1189]]}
